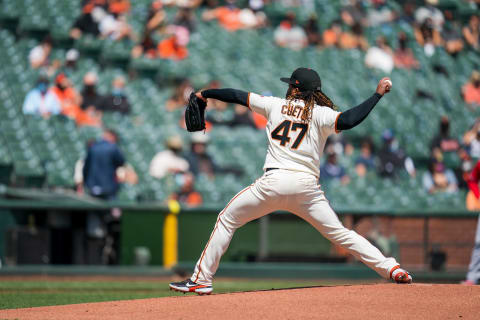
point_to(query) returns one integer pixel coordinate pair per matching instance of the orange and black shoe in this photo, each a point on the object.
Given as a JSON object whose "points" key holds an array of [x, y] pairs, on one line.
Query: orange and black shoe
{"points": [[400, 275], [190, 286]]}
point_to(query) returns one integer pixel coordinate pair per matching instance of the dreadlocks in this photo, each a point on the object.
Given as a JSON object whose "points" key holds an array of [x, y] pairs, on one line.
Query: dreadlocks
{"points": [[310, 98]]}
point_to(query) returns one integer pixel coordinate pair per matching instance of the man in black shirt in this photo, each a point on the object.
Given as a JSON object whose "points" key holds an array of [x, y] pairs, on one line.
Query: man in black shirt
{"points": [[117, 99], [89, 93]]}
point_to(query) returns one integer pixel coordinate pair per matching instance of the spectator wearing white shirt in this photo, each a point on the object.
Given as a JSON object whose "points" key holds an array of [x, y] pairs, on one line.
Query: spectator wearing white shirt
{"points": [[170, 160], [111, 27], [429, 11], [39, 55], [380, 56], [290, 35], [380, 14], [41, 101]]}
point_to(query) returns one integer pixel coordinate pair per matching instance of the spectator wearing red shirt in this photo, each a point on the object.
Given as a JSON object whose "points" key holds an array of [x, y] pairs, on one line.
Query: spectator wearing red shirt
{"points": [[443, 140], [228, 16], [175, 47], [118, 7], [471, 90], [403, 56], [474, 179], [187, 195], [67, 96]]}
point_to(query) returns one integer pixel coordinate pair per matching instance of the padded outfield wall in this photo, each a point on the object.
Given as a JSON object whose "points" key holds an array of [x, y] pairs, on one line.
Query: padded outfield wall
{"points": [[414, 237]]}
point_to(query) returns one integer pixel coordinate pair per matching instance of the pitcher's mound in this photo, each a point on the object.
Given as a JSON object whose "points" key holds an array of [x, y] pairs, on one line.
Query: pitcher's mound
{"points": [[380, 301]]}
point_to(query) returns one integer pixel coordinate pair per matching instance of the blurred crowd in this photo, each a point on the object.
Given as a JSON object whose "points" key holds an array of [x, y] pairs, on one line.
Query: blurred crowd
{"points": [[60, 97], [165, 36], [452, 165]]}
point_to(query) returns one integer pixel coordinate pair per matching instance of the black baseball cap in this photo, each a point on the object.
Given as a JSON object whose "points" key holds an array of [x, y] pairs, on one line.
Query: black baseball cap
{"points": [[305, 79]]}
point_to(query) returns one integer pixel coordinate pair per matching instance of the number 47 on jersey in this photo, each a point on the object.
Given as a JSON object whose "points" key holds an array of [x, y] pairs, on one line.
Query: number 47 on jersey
{"points": [[282, 132]]}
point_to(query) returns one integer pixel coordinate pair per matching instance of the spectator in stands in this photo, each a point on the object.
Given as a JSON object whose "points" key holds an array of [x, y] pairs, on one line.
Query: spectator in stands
{"points": [[332, 170], [100, 181], [89, 117], [157, 18], [471, 140], [443, 140], [156, 22], [250, 19], [119, 7], [471, 90], [198, 158], [471, 32], [353, 39], [353, 13], [185, 18], [430, 12], [228, 16], [200, 162], [463, 171], [41, 101], [180, 96], [71, 58], [366, 160], [289, 34], [67, 96], [331, 36], [117, 100], [313, 31], [451, 35], [183, 3], [438, 178], [169, 161], [428, 37], [124, 174], [380, 14], [99, 172], [392, 158], [91, 98], [403, 56], [89, 113], [39, 56], [146, 47], [338, 144], [85, 24], [241, 117], [111, 27], [380, 56], [187, 195], [216, 104], [407, 14], [175, 46]]}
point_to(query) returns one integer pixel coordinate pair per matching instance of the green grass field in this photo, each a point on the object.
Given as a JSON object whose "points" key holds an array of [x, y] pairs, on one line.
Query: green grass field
{"points": [[34, 292]]}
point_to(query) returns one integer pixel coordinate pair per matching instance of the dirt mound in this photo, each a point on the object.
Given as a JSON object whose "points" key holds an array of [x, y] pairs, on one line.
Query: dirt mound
{"points": [[380, 301]]}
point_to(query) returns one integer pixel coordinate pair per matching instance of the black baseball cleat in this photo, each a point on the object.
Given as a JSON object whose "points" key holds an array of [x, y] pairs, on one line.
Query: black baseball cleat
{"points": [[190, 286]]}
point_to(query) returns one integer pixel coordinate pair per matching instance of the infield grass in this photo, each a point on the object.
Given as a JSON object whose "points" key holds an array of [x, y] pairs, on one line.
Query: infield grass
{"points": [[46, 291]]}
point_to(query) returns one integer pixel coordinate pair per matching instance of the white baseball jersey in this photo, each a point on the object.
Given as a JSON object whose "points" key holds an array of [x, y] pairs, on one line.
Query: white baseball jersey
{"points": [[295, 147], [292, 143]]}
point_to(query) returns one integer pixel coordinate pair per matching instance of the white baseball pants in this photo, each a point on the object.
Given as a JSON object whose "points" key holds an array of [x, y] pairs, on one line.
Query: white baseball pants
{"points": [[293, 191]]}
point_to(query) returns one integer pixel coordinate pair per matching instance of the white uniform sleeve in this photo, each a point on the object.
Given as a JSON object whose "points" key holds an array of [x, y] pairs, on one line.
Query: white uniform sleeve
{"points": [[327, 120], [260, 104]]}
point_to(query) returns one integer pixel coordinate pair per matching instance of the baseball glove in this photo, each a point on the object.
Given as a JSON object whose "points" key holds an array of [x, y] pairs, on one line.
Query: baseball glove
{"points": [[195, 114]]}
